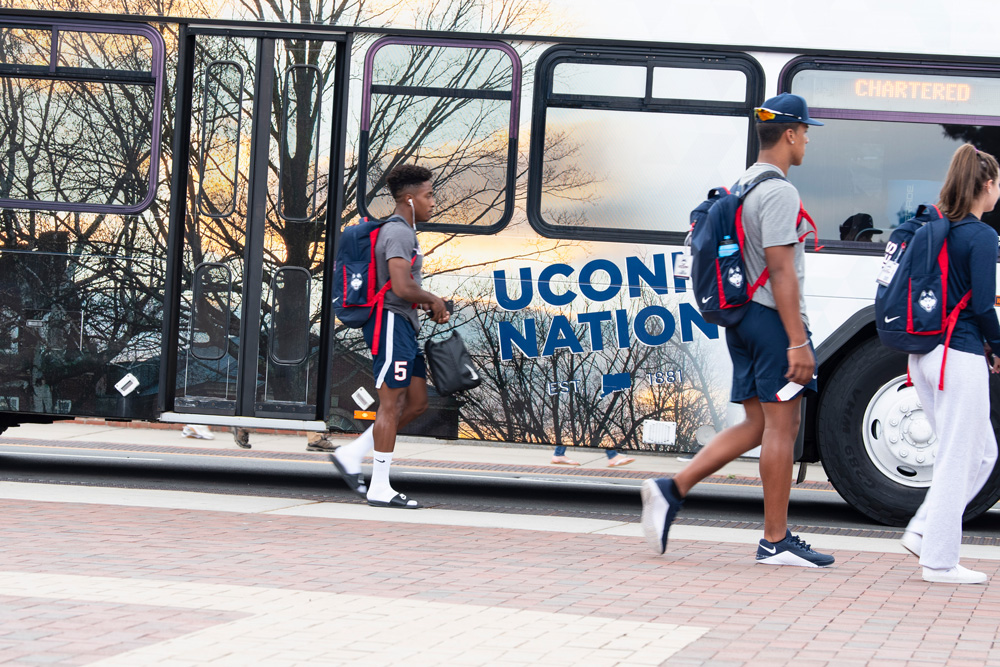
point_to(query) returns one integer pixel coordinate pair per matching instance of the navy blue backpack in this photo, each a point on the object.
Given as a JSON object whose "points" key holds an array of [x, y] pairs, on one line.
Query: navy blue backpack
{"points": [[355, 296], [912, 312], [718, 271]]}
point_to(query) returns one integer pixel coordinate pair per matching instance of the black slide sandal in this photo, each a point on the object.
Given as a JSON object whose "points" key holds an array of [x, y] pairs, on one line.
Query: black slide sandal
{"points": [[398, 501], [355, 483]]}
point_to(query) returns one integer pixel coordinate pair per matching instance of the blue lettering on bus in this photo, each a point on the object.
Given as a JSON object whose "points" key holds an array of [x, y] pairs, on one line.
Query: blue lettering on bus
{"points": [[561, 335], [594, 320], [643, 334], [510, 336], [689, 316], [500, 288], [638, 273], [614, 276], [621, 328], [545, 286]]}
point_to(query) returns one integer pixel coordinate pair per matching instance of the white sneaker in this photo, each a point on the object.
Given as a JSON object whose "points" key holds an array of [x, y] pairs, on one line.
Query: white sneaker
{"points": [[197, 431], [912, 542], [956, 575]]}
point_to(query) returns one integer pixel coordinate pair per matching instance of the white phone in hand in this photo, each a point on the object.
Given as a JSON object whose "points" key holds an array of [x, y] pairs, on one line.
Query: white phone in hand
{"points": [[789, 391]]}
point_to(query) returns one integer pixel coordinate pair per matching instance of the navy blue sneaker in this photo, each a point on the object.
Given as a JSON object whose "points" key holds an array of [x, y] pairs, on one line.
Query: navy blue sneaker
{"points": [[791, 551], [660, 504]]}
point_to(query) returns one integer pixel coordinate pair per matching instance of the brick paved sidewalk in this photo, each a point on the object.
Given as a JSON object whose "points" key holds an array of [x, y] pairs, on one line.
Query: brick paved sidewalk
{"points": [[138, 585]]}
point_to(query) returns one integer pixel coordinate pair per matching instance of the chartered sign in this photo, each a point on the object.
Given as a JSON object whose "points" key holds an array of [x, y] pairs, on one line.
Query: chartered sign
{"points": [[870, 91]]}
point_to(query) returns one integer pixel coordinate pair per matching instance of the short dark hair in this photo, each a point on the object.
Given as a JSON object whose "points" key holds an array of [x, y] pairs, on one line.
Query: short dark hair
{"points": [[769, 133], [404, 176]]}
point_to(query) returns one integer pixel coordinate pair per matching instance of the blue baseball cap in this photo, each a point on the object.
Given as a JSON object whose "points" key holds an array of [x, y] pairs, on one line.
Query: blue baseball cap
{"points": [[785, 108]]}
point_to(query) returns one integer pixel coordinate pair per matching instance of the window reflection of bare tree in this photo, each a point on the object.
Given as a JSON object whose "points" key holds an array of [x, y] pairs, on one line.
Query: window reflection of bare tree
{"points": [[81, 288], [117, 261], [514, 403]]}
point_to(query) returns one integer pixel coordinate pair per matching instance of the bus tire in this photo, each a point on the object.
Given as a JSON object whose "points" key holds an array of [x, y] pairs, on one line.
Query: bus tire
{"points": [[856, 409]]}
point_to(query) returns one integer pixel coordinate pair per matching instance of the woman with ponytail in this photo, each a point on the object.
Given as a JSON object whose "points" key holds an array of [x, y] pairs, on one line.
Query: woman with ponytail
{"points": [[960, 412]]}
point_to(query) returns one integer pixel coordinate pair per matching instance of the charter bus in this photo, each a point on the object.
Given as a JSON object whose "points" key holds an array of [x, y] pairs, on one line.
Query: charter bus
{"points": [[173, 184]]}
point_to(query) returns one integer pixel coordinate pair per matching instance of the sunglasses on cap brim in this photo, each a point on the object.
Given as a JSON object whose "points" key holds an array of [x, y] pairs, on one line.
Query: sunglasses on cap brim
{"points": [[764, 115]]}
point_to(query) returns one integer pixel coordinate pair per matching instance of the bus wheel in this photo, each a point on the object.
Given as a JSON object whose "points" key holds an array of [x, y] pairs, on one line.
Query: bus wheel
{"points": [[876, 444]]}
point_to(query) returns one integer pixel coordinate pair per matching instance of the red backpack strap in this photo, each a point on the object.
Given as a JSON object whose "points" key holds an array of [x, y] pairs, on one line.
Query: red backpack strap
{"points": [[379, 300], [952, 321], [740, 236], [804, 215]]}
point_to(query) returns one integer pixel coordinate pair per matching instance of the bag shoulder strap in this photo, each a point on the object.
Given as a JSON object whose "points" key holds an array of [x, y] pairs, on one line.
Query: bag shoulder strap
{"points": [[754, 182]]}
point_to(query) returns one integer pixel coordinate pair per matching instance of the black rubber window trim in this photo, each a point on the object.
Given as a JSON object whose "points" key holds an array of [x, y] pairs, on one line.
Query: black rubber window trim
{"points": [[649, 58]]}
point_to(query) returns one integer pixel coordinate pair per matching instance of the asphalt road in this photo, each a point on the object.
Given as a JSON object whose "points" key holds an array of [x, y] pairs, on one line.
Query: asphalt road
{"points": [[448, 489]]}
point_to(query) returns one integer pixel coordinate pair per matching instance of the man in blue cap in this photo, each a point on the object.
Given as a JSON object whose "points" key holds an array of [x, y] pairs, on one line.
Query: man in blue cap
{"points": [[773, 360]]}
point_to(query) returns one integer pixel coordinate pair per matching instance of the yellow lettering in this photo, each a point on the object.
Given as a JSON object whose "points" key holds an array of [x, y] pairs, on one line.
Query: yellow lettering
{"points": [[900, 89], [925, 91], [964, 92], [949, 92], [939, 91], [914, 86], [860, 89]]}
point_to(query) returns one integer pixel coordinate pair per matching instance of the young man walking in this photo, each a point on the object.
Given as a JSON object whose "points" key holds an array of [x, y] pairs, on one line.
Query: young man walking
{"points": [[769, 348], [399, 368]]}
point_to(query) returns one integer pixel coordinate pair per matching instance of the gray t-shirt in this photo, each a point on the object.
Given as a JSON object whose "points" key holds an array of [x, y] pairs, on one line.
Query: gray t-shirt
{"points": [[397, 238], [770, 212]]}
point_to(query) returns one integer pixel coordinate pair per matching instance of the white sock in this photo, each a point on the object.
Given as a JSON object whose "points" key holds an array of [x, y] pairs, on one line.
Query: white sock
{"points": [[351, 454], [380, 489]]}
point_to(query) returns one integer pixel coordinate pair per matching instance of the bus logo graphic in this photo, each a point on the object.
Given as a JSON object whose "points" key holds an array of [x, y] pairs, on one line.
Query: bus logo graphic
{"points": [[928, 301], [612, 382]]}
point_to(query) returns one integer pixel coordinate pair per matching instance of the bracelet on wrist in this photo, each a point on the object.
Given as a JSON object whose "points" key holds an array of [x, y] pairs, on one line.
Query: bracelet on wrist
{"points": [[796, 347]]}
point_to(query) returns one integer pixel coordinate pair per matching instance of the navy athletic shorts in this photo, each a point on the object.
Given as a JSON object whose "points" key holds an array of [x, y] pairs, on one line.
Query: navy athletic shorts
{"points": [[758, 346], [399, 357]]}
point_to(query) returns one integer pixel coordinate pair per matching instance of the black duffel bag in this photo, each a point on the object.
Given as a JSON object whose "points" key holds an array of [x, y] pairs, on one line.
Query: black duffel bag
{"points": [[450, 365]]}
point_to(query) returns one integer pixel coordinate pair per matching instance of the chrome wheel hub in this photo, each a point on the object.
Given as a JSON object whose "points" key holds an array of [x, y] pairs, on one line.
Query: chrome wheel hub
{"points": [[898, 436]]}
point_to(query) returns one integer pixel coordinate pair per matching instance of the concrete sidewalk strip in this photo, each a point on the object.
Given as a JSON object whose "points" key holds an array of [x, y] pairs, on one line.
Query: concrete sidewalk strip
{"points": [[179, 500], [305, 626], [334, 511]]}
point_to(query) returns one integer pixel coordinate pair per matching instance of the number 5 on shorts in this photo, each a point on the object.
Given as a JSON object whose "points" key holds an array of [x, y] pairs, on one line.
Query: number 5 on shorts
{"points": [[399, 370]]}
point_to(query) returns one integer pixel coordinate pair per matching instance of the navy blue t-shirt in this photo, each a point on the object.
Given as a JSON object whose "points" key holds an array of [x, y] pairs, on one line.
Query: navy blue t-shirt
{"points": [[972, 264]]}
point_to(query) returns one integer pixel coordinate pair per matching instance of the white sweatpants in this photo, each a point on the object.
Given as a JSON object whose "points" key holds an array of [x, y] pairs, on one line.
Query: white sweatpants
{"points": [[966, 449]]}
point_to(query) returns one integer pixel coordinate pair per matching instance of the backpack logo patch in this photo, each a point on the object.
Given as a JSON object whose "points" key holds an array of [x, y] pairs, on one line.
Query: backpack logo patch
{"points": [[928, 301], [736, 277], [356, 282]]}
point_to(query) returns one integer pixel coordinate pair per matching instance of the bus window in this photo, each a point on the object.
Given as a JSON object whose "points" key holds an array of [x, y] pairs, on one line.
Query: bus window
{"points": [[649, 133], [289, 332], [890, 133], [461, 100], [213, 288], [81, 116], [299, 195], [222, 119], [720, 85]]}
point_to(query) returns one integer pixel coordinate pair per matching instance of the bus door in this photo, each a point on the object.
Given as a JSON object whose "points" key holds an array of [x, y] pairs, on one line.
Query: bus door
{"points": [[256, 185]]}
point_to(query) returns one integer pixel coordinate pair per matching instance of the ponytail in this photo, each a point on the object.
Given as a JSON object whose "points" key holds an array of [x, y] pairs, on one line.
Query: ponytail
{"points": [[968, 173]]}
